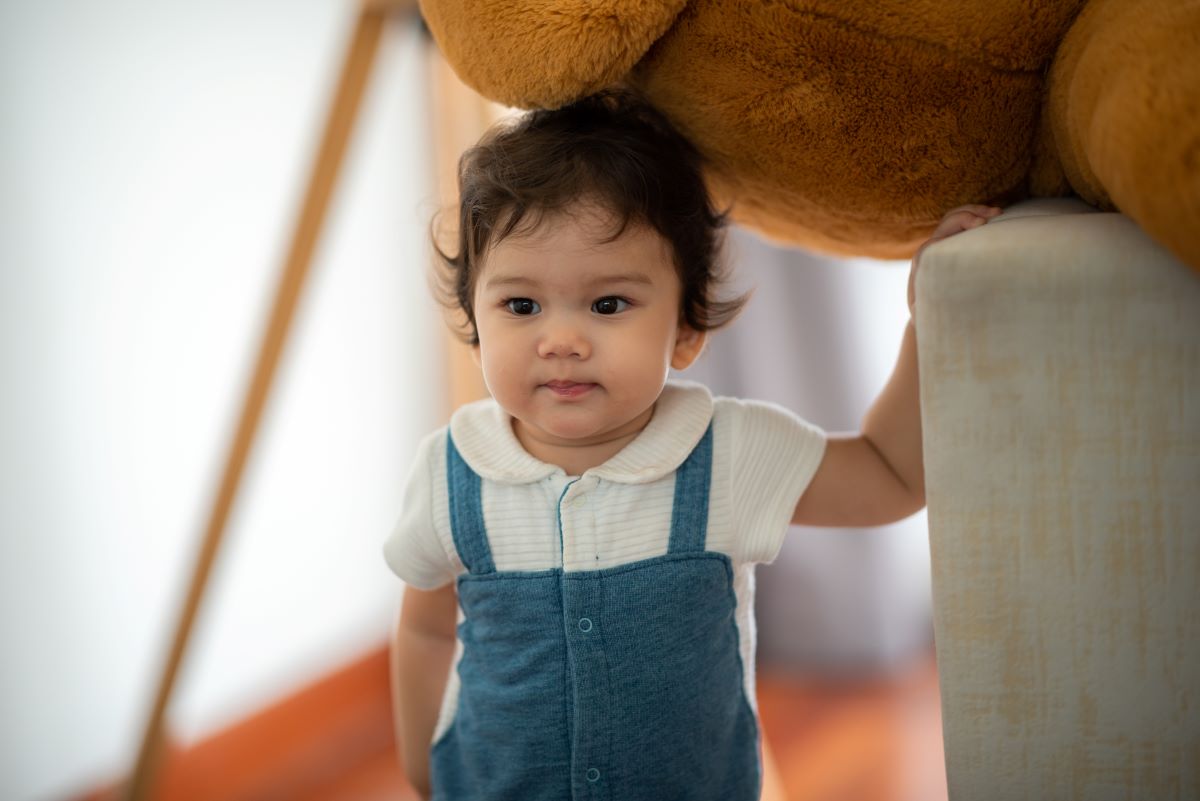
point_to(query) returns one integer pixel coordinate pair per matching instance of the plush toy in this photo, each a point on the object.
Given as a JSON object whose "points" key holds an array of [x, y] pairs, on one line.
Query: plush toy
{"points": [[850, 126]]}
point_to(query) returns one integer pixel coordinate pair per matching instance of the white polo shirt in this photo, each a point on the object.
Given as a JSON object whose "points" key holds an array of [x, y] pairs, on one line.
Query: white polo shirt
{"points": [[618, 512]]}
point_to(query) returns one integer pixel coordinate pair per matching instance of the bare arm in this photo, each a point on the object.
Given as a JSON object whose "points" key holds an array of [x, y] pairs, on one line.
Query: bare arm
{"points": [[422, 651], [878, 475]]}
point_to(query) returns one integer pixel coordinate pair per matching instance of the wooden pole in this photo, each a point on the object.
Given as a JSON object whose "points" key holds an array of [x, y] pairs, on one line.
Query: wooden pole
{"points": [[460, 116], [355, 71]]}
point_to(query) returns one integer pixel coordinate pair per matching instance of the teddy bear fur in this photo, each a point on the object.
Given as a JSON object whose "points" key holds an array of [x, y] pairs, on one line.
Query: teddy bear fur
{"points": [[851, 126]]}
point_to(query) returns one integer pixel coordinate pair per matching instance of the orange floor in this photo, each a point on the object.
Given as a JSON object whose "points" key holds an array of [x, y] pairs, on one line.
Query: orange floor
{"points": [[833, 741], [878, 740]]}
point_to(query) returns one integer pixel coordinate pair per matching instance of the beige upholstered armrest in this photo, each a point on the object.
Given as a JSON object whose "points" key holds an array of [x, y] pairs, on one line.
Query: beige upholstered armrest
{"points": [[1060, 391]]}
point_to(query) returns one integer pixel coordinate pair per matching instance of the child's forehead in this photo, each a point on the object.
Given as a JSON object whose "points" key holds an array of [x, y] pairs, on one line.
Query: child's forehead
{"points": [[582, 231], [576, 254], [590, 218]]}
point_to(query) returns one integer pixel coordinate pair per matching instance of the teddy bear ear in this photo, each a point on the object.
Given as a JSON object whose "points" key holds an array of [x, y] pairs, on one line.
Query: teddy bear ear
{"points": [[545, 53]]}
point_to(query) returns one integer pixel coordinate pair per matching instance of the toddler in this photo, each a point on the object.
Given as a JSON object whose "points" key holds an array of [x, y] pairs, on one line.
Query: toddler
{"points": [[596, 524]]}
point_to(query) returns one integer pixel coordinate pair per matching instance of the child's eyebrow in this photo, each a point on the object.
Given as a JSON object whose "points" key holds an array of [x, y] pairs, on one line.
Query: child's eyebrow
{"points": [[508, 280], [622, 278], [618, 278]]}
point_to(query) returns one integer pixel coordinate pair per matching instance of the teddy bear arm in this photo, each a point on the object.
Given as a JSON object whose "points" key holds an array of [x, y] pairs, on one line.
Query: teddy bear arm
{"points": [[545, 53], [1121, 108]]}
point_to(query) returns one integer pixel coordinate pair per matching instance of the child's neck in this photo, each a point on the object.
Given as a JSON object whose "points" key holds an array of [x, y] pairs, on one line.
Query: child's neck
{"points": [[577, 456]]}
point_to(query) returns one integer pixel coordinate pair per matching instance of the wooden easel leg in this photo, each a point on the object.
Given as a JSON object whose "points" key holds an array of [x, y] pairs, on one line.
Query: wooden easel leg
{"points": [[355, 71]]}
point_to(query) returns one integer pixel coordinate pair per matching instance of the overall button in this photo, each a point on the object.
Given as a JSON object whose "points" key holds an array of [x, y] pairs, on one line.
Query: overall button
{"points": [[585, 624], [593, 775]]}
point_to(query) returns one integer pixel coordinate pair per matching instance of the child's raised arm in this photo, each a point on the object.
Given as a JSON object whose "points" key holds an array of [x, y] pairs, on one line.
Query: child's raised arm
{"points": [[877, 476]]}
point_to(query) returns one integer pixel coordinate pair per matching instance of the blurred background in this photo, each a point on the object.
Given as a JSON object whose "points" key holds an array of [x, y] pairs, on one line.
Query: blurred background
{"points": [[153, 157]]}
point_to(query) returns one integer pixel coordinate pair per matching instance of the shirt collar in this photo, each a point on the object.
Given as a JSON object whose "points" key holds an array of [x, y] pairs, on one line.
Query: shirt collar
{"points": [[483, 434]]}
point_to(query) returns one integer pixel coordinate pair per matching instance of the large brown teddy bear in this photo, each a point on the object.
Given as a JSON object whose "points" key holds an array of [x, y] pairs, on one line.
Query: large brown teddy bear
{"points": [[850, 126]]}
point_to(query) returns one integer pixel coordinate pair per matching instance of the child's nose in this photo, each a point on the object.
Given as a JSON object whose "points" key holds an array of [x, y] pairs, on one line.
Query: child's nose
{"points": [[564, 340]]}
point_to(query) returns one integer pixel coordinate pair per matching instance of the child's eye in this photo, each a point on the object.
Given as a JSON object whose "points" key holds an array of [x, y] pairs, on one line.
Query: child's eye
{"points": [[610, 305], [522, 307]]}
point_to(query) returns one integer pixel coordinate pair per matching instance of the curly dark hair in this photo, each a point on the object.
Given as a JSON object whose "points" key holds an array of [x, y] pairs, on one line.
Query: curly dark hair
{"points": [[612, 149]]}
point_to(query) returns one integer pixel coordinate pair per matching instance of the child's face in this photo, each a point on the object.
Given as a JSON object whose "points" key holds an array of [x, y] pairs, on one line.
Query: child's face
{"points": [[576, 334]]}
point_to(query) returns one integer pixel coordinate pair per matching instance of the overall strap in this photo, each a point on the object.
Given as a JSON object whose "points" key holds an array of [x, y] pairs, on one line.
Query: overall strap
{"points": [[689, 517], [466, 512]]}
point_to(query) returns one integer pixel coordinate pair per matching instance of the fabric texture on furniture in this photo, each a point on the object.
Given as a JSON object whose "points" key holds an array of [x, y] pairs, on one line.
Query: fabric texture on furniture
{"points": [[1060, 367]]}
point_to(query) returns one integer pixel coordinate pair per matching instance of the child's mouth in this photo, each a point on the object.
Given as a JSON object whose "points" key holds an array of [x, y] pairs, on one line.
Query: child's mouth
{"points": [[569, 389]]}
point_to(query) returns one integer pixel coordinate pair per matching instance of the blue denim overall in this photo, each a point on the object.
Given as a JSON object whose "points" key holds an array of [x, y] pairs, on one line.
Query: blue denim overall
{"points": [[620, 684]]}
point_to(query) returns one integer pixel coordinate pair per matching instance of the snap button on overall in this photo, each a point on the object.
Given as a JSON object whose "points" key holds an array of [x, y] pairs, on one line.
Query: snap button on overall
{"points": [[585, 624]]}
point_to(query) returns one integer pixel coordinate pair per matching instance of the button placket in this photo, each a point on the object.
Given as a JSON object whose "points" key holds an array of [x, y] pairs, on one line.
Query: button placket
{"points": [[583, 605], [566, 522], [576, 513]]}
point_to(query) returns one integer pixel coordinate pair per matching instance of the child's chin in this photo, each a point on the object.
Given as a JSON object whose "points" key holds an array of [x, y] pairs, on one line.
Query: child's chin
{"points": [[572, 433], [570, 427]]}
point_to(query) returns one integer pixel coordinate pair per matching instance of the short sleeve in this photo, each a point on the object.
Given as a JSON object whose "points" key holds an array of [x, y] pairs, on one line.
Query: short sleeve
{"points": [[413, 550], [773, 455]]}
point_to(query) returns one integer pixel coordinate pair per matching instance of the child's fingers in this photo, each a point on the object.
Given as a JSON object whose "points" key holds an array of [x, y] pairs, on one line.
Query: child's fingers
{"points": [[977, 209], [955, 221]]}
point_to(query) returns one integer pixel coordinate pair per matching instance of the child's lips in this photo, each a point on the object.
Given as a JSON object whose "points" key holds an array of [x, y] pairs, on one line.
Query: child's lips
{"points": [[569, 389]]}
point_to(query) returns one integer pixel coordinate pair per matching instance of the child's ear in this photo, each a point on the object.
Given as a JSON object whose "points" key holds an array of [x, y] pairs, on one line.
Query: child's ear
{"points": [[688, 345]]}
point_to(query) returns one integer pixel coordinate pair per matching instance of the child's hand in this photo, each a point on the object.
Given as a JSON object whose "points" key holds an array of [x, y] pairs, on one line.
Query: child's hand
{"points": [[963, 218]]}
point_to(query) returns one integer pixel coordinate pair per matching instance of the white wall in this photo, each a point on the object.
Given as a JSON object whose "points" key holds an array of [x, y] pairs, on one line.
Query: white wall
{"points": [[152, 156]]}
